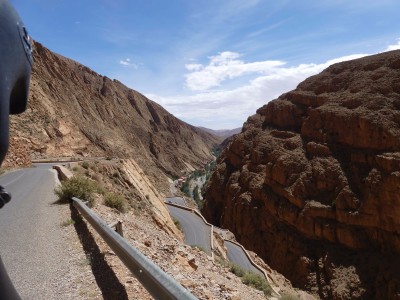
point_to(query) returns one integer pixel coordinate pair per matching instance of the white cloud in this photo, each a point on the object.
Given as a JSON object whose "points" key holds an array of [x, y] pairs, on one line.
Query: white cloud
{"points": [[225, 65], [394, 47], [127, 62], [230, 108]]}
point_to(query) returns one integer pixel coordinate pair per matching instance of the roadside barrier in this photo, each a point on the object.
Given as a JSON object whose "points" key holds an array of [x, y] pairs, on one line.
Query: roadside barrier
{"points": [[159, 284], [269, 280]]}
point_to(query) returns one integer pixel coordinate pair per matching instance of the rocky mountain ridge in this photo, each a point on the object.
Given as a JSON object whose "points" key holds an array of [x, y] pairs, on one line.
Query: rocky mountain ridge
{"points": [[73, 111], [311, 184]]}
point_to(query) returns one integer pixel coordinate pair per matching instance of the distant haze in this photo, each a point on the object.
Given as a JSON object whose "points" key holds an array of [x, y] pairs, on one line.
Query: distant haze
{"points": [[225, 133]]}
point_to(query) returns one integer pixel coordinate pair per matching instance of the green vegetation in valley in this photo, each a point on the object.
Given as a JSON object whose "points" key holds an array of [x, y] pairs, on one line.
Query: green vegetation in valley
{"points": [[196, 195], [197, 192], [185, 187], [216, 151]]}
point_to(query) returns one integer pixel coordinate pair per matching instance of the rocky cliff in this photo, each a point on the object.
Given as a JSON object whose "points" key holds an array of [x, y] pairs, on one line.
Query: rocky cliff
{"points": [[312, 183], [74, 111]]}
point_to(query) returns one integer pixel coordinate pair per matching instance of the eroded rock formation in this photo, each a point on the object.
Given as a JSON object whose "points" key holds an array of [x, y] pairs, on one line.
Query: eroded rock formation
{"points": [[312, 184]]}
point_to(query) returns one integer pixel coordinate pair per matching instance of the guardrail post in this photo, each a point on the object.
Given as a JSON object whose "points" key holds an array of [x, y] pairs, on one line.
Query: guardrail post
{"points": [[118, 227]]}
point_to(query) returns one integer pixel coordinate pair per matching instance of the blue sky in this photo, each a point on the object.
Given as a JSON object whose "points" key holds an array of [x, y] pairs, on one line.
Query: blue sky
{"points": [[212, 63]]}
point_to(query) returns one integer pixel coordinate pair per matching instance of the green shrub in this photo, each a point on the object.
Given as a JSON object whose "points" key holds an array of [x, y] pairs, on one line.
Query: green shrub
{"points": [[100, 189], [115, 201], [251, 279], [237, 270], [258, 282], [85, 165], [77, 186]]}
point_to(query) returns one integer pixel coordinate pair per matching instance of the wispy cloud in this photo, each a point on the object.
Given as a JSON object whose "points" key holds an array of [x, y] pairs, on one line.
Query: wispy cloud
{"points": [[232, 107], [266, 29], [127, 62]]}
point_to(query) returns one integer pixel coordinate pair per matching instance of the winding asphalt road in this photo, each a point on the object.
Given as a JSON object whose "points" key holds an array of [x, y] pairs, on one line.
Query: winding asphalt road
{"points": [[31, 244], [236, 255], [196, 232]]}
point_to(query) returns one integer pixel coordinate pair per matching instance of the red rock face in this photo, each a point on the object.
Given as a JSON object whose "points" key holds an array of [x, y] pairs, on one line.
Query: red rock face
{"points": [[312, 184]]}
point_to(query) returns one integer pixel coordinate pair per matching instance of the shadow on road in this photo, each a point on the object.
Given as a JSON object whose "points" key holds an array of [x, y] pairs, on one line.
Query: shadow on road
{"points": [[105, 277]]}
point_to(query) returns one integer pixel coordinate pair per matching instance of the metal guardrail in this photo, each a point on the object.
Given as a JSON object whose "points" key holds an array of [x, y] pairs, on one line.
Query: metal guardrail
{"points": [[159, 284]]}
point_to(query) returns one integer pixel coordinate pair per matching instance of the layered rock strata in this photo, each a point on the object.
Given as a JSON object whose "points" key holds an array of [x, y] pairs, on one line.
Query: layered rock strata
{"points": [[312, 184]]}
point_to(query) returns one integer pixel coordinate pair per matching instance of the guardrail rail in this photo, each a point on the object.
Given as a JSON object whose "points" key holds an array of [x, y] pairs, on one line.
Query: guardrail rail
{"points": [[159, 284]]}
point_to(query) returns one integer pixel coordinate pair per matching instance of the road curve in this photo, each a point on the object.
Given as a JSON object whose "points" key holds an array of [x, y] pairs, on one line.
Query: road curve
{"points": [[176, 200], [31, 243], [236, 255], [196, 232]]}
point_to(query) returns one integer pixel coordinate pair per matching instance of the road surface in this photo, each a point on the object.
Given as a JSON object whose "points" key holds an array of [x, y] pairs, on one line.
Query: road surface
{"points": [[31, 243], [48, 165], [196, 232], [237, 256], [176, 200]]}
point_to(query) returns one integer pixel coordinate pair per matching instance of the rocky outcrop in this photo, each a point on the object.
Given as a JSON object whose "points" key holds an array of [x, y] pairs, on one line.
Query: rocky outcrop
{"points": [[18, 154], [74, 111], [312, 183]]}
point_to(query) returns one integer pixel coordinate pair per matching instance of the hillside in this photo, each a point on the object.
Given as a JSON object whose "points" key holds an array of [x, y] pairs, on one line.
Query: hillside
{"points": [[130, 147], [311, 184], [73, 111]]}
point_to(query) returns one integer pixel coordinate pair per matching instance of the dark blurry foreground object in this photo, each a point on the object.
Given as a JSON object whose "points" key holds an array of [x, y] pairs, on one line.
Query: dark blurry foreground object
{"points": [[15, 69]]}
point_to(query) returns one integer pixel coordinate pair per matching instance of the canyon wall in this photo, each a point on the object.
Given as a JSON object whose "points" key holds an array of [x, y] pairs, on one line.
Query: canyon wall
{"points": [[312, 183]]}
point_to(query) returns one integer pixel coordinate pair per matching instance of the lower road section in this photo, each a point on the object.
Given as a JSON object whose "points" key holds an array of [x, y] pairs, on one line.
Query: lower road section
{"points": [[176, 200], [236, 255], [196, 232]]}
